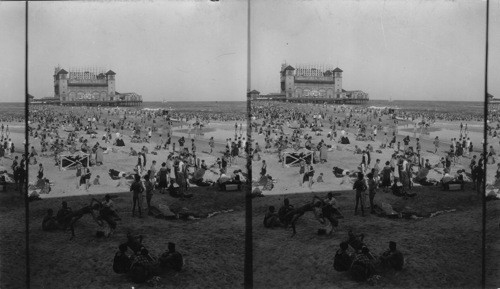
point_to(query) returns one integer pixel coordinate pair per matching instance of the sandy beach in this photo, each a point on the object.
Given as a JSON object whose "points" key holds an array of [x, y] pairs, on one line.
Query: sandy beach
{"points": [[213, 213], [287, 179], [63, 182], [429, 242]]}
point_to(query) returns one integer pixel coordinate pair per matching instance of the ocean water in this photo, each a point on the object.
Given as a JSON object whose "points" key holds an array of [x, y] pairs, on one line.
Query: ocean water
{"points": [[474, 107], [207, 106], [11, 108]]}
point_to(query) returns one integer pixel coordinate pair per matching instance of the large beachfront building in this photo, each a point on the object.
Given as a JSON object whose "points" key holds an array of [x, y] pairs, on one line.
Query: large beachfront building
{"points": [[308, 83], [88, 86]]}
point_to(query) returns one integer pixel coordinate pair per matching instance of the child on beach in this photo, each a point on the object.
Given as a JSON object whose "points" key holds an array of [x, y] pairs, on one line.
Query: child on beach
{"points": [[96, 181]]}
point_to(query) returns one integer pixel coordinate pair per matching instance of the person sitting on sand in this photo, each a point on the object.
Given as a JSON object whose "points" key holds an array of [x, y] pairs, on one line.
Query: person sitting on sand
{"points": [[49, 222], [96, 180], [284, 210], [142, 267], [122, 261], [356, 241], [132, 152], [392, 258], [320, 178], [271, 219], [447, 177], [108, 207], [63, 212], [343, 259], [171, 259], [363, 266], [223, 178]]}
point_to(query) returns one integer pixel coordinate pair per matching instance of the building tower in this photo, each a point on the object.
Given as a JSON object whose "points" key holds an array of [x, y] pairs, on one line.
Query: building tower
{"points": [[61, 85], [337, 74], [288, 82], [110, 79]]}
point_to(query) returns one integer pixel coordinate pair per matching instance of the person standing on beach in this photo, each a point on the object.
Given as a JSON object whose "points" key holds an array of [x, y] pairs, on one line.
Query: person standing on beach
{"points": [[360, 187], [263, 170], [163, 178], [78, 174], [137, 189], [211, 144], [436, 144], [311, 177], [9, 146], [40, 171], [419, 147], [86, 178], [21, 177], [149, 186], [152, 172], [372, 190]]}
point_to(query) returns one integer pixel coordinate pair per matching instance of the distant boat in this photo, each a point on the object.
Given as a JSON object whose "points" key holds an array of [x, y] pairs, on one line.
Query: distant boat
{"points": [[390, 99]]}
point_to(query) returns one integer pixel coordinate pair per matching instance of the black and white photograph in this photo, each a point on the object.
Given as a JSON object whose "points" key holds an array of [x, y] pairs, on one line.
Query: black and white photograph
{"points": [[250, 144], [367, 132], [492, 183], [13, 164], [137, 130]]}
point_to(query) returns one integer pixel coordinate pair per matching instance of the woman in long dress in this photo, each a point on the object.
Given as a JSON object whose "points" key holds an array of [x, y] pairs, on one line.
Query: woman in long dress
{"points": [[99, 158]]}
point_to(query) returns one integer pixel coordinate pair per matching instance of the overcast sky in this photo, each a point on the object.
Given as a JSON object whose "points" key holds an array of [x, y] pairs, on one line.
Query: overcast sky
{"points": [[173, 50], [12, 52], [181, 50], [428, 50]]}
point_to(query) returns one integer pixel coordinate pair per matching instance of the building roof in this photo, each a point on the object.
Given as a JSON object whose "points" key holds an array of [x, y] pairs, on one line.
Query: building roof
{"points": [[110, 72], [289, 67], [337, 70], [30, 96], [254, 92], [62, 71]]}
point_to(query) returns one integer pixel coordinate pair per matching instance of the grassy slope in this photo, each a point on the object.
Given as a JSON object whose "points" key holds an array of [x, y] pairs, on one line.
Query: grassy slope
{"points": [[442, 252], [212, 247]]}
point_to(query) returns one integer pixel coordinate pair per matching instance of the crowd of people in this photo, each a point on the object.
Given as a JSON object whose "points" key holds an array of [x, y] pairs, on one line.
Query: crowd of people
{"points": [[303, 138]]}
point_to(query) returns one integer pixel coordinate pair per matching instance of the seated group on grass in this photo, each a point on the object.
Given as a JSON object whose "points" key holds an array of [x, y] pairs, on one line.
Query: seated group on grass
{"points": [[361, 263], [139, 265], [66, 217], [325, 211]]}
